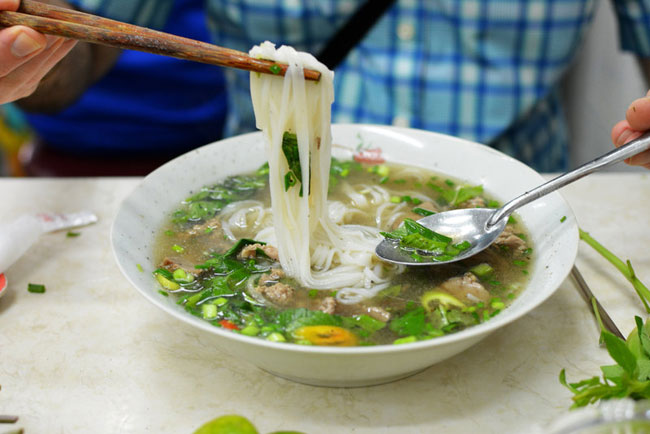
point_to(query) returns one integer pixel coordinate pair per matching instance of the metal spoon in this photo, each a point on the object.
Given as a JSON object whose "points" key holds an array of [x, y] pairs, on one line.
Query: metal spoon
{"points": [[481, 226]]}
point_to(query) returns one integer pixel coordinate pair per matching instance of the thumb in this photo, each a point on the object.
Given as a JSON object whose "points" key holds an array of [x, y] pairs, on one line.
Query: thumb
{"points": [[17, 45]]}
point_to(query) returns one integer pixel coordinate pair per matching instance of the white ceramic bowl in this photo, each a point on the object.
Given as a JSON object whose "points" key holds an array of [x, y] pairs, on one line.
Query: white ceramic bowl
{"points": [[555, 244]]}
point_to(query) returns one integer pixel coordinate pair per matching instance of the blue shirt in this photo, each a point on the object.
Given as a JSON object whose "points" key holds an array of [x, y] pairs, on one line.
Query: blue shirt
{"points": [[147, 104], [485, 70]]}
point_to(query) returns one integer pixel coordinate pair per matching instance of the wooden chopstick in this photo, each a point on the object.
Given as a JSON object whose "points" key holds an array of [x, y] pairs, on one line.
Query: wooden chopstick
{"points": [[53, 20], [588, 296]]}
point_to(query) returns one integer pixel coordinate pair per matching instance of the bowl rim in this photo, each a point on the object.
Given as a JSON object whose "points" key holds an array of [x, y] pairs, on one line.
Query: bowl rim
{"points": [[475, 331]]}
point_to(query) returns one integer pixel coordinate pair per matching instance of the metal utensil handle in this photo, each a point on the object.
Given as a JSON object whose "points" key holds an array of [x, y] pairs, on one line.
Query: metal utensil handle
{"points": [[626, 151]]}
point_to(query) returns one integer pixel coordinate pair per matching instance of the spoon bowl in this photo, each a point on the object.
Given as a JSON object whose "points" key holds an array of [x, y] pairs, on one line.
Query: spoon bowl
{"points": [[469, 224], [480, 227]]}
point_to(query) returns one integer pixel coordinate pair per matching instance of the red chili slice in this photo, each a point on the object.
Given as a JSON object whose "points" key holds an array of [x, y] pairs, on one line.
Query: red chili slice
{"points": [[228, 325]]}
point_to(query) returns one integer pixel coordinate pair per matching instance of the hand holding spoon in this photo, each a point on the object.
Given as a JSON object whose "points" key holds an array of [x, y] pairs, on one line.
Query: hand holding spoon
{"points": [[481, 226]]}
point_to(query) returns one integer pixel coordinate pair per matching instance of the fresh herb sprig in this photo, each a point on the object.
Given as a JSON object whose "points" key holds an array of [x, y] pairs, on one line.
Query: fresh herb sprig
{"points": [[624, 267], [424, 244], [630, 376]]}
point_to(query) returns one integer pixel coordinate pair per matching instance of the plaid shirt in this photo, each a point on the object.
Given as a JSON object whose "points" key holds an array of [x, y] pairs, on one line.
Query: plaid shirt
{"points": [[485, 70]]}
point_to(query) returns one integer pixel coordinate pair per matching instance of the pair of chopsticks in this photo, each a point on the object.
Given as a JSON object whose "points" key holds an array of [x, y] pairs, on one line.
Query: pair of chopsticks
{"points": [[591, 300], [53, 20]]}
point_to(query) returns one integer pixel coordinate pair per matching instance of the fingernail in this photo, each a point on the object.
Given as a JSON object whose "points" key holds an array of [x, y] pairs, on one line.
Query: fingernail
{"points": [[624, 136], [24, 45]]}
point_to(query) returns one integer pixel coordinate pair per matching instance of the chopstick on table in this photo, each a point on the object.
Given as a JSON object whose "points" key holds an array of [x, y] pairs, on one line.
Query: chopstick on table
{"points": [[588, 296], [53, 20]]}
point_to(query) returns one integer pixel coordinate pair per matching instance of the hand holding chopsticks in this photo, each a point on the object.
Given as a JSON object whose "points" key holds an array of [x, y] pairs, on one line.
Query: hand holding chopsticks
{"points": [[72, 24]]}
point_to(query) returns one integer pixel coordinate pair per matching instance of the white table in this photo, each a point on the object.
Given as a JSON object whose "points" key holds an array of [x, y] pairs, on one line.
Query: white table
{"points": [[91, 355]]}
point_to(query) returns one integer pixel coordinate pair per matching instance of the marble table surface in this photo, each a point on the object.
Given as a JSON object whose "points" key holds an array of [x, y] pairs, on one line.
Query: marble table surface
{"points": [[92, 355]]}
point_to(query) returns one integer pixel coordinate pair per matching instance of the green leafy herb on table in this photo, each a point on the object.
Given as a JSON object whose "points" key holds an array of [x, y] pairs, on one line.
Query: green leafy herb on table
{"points": [[630, 376], [624, 267]]}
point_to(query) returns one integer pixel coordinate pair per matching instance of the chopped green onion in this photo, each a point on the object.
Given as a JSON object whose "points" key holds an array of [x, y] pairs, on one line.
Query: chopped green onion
{"points": [[276, 337], [209, 311], [139, 267], [563, 219], [219, 301], [35, 288], [165, 293], [177, 248], [169, 233], [250, 330], [423, 212], [71, 234], [167, 283], [406, 340], [275, 69], [483, 271]]}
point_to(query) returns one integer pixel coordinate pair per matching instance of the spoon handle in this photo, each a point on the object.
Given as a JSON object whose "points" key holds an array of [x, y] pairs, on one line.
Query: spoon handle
{"points": [[626, 151]]}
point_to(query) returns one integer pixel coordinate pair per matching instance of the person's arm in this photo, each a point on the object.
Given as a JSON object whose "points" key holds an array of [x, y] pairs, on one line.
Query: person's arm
{"points": [[26, 56], [637, 120], [73, 74]]}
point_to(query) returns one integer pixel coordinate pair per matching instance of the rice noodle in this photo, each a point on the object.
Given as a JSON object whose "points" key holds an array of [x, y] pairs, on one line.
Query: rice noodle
{"points": [[312, 249]]}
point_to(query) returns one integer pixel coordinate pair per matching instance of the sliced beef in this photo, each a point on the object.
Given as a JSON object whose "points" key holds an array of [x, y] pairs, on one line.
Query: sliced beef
{"points": [[250, 251], [466, 288], [279, 293], [511, 240], [174, 263], [273, 290], [327, 305]]}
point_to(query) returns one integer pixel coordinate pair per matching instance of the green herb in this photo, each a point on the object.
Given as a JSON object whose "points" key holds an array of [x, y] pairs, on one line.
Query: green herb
{"points": [[177, 248], [423, 212], [139, 267], [411, 323], [71, 234], [209, 230], [210, 200], [169, 233], [275, 69], [563, 219], [163, 293], [629, 377], [624, 267], [36, 288], [429, 244], [291, 153]]}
